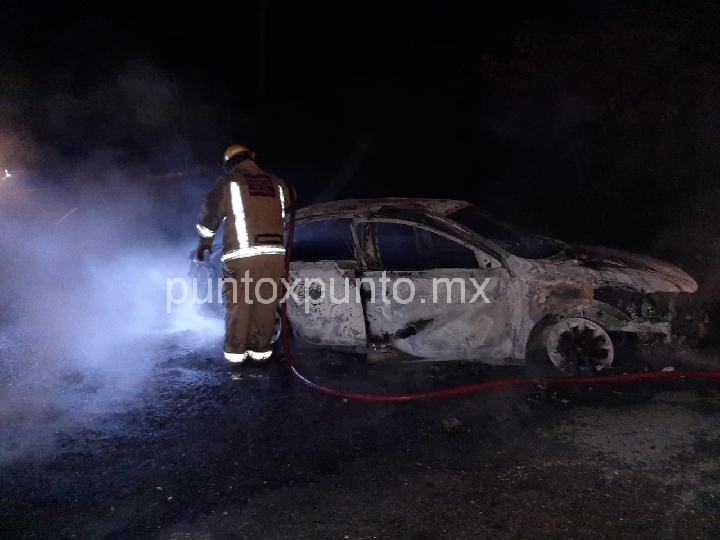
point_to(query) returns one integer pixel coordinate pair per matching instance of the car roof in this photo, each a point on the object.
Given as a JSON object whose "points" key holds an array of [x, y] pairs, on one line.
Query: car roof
{"points": [[355, 207]]}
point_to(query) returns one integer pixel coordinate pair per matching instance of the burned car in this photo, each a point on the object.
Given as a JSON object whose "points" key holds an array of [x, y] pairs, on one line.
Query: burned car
{"points": [[441, 279]]}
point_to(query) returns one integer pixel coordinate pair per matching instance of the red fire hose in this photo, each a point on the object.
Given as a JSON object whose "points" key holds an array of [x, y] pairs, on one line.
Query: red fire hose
{"points": [[467, 389]]}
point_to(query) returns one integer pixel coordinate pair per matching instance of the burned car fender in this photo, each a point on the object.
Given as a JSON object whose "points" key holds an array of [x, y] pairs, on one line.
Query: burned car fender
{"points": [[609, 318]]}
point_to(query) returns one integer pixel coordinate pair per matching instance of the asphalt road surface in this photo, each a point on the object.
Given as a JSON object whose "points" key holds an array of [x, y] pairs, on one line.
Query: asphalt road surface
{"points": [[195, 449]]}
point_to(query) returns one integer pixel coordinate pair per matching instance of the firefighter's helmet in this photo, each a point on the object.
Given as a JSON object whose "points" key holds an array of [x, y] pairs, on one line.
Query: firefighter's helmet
{"points": [[235, 154]]}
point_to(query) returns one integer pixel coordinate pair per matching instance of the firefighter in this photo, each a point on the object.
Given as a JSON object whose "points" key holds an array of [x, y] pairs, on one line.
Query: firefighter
{"points": [[253, 205]]}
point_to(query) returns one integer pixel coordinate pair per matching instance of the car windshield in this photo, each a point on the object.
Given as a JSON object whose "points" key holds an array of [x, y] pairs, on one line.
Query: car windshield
{"points": [[514, 241]]}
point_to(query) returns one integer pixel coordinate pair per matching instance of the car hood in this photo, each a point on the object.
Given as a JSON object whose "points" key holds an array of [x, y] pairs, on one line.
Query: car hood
{"points": [[614, 266]]}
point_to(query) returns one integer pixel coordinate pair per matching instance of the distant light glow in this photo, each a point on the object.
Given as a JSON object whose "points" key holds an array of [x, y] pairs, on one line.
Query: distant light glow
{"points": [[7, 174]]}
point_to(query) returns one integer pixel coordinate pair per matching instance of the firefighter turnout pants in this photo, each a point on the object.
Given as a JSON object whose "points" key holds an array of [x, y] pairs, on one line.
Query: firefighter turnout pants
{"points": [[251, 292]]}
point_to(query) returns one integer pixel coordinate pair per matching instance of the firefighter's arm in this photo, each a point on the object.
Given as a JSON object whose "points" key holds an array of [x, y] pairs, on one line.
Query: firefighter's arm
{"points": [[211, 214]]}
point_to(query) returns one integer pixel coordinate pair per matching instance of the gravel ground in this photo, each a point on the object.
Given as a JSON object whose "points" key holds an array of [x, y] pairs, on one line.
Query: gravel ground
{"points": [[196, 449]]}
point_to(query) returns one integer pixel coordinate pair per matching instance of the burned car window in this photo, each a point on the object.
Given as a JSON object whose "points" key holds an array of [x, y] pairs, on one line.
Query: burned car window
{"points": [[519, 243], [404, 247], [326, 240]]}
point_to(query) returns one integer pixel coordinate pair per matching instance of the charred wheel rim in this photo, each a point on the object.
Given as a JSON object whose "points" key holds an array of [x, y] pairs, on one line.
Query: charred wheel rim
{"points": [[579, 346]]}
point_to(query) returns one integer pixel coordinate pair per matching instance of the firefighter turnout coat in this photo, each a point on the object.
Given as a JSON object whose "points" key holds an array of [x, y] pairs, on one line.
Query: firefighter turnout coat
{"points": [[252, 203]]}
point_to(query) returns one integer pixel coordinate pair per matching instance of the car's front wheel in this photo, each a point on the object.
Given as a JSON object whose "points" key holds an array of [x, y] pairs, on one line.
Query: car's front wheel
{"points": [[577, 347]]}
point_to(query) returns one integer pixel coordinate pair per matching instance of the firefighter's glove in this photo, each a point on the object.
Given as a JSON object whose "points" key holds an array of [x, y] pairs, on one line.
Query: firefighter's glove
{"points": [[201, 251]]}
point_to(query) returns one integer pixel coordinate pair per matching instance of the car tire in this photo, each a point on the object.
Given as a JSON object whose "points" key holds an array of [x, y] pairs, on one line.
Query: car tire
{"points": [[578, 347]]}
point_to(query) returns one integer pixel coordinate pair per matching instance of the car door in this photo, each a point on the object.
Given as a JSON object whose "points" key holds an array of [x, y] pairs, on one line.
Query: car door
{"points": [[326, 308], [430, 295]]}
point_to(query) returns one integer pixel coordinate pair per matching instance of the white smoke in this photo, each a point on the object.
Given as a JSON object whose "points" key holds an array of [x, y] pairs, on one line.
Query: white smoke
{"points": [[86, 253]]}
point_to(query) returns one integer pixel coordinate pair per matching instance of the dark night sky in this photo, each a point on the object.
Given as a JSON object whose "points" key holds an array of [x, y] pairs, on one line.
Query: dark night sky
{"points": [[333, 69], [530, 137]]}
